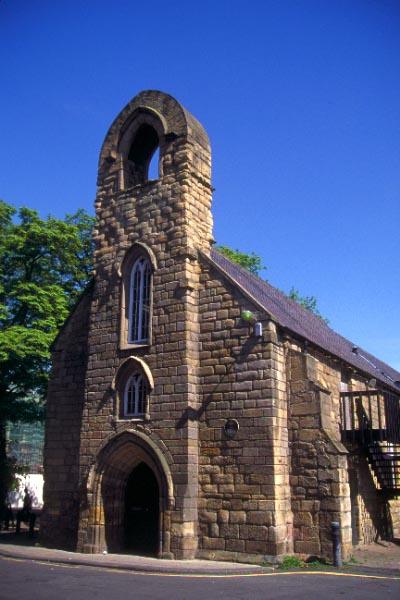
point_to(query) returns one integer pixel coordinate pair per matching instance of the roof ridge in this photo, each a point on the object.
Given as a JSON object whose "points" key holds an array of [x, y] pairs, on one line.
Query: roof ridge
{"points": [[303, 322], [264, 283]]}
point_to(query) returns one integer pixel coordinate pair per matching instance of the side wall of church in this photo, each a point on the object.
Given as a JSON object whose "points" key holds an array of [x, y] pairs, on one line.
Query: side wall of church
{"points": [[244, 505], [329, 481], [65, 400], [319, 474]]}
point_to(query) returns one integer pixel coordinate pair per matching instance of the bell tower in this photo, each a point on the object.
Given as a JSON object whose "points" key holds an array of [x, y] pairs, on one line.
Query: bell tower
{"points": [[169, 219]]}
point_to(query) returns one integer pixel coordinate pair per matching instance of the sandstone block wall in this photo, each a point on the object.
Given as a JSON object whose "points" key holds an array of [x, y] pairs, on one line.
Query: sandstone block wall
{"points": [[319, 477], [273, 488], [369, 506], [329, 481], [172, 217], [394, 512], [244, 505], [65, 402]]}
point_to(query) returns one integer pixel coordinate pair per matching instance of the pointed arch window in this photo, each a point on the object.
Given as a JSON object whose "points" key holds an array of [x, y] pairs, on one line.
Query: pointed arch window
{"points": [[136, 396], [136, 271], [133, 384], [139, 301]]}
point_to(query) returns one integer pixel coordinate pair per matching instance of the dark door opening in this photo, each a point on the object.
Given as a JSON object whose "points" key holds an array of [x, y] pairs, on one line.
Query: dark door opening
{"points": [[142, 512]]}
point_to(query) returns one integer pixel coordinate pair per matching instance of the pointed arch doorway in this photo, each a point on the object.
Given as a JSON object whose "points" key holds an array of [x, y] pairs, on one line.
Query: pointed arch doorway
{"points": [[130, 498]]}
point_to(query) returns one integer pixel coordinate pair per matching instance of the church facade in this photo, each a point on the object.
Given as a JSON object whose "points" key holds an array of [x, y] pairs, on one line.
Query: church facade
{"points": [[194, 410]]}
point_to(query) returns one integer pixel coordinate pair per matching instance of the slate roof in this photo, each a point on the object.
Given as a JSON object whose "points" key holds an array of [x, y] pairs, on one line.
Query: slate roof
{"points": [[290, 315]]}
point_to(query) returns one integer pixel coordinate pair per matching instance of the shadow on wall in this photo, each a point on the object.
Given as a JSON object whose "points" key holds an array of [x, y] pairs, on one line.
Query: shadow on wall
{"points": [[191, 414], [370, 510]]}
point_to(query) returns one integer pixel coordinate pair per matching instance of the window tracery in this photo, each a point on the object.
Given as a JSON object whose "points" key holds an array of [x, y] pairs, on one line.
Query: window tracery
{"points": [[136, 272], [135, 396], [139, 301]]}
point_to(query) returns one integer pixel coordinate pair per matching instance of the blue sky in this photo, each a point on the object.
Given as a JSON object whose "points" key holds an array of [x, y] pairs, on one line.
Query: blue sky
{"points": [[301, 99]]}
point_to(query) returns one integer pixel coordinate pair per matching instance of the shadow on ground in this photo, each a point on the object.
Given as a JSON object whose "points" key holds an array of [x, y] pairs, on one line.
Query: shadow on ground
{"points": [[19, 539]]}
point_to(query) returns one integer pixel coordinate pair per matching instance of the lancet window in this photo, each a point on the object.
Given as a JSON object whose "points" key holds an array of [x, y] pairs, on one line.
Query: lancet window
{"points": [[135, 396], [139, 301]]}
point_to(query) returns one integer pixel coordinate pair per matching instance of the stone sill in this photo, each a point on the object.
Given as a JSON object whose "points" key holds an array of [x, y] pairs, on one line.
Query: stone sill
{"points": [[133, 346], [140, 419]]}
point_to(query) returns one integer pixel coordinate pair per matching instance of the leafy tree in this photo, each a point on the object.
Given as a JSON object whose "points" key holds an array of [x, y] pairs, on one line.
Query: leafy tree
{"points": [[308, 302], [253, 263], [44, 267]]}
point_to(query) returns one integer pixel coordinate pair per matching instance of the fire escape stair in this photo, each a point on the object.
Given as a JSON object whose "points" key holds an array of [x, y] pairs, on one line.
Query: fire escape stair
{"points": [[385, 463], [370, 421]]}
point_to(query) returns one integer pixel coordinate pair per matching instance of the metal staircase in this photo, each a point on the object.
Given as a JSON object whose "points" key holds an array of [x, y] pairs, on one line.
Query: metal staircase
{"points": [[385, 463], [370, 420]]}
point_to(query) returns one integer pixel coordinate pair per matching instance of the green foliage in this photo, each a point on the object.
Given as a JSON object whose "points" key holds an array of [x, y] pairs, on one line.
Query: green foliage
{"points": [[308, 302], [295, 562], [352, 561], [291, 562], [44, 266], [252, 262]]}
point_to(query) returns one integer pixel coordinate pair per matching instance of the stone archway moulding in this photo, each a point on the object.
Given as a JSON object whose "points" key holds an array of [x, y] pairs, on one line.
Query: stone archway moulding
{"points": [[141, 440], [130, 250], [103, 513], [141, 115], [136, 361]]}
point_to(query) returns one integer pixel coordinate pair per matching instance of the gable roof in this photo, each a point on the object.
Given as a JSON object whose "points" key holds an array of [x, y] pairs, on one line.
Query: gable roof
{"points": [[290, 315], [88, 289]]}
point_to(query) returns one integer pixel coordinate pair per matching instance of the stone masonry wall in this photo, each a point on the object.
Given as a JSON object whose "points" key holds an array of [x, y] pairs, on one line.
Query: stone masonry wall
{"points": [[273, 488], [321, 467], [369, 507], [319, 478], [394, 510], [244, 506], [172, 217], [65, 400]]}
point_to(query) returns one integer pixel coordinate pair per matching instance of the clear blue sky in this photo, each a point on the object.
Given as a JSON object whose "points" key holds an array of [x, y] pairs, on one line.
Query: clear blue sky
{"points": [[301, 99]]}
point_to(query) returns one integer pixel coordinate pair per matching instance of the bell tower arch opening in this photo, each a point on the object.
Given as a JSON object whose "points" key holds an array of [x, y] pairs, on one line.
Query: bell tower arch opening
{"points": [[143, 147], [155, 149]]}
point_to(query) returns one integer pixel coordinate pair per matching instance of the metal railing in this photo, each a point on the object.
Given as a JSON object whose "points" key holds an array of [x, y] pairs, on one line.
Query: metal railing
{"points": [[370, 416], [371, 420]]}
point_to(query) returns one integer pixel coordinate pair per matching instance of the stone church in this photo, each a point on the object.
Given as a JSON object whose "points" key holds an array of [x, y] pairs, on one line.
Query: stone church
{"points": [[193, 409]]}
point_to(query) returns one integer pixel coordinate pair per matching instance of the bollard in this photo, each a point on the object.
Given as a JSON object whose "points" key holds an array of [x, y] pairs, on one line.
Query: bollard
{"points": [[336, 548]]}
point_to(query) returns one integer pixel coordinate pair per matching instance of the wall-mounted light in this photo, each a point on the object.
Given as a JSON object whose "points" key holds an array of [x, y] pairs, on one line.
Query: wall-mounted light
{"points": [[258, 329]]}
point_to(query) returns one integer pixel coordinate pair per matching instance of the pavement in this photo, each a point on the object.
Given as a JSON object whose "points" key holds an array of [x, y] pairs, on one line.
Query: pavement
{"points": [[379, 559], [21, 547], [382, 556]]}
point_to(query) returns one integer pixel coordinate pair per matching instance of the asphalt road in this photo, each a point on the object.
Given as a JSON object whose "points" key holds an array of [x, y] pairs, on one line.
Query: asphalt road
{"points": [[26, 580]]}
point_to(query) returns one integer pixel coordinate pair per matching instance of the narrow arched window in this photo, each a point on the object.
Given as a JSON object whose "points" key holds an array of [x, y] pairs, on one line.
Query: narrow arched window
{"points": [[135, 396], [139, 301]]}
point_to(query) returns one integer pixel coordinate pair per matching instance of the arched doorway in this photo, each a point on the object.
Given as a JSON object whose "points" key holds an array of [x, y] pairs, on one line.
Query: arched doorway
{"points": [[129, 498], [141, 521]]}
